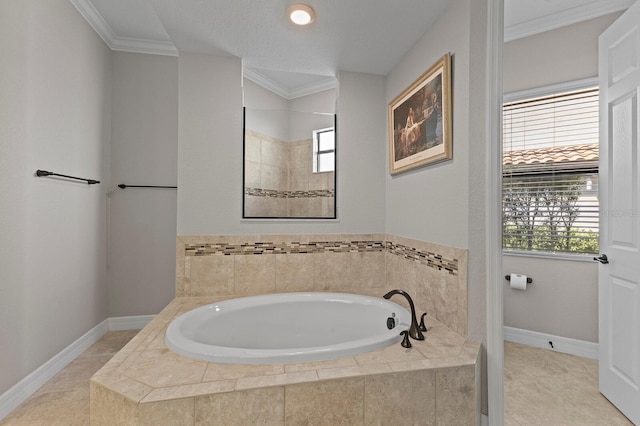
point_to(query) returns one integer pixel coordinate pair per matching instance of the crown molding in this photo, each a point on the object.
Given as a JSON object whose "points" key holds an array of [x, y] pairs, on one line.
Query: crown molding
{"points": [[278, 89], [566, 17], [267, 83], [93, 17], [136, 45], [312, 88], [124, 44]]}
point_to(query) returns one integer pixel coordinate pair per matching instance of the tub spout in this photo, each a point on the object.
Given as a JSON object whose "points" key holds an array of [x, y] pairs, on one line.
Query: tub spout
{"points": [[414, 330]]}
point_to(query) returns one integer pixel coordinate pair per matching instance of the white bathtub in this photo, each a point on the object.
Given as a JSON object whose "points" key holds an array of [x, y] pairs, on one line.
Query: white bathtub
{"points": [[288, 327]]}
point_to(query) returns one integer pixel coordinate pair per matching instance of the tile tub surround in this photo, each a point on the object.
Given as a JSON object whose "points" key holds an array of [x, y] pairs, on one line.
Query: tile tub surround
{"points": [[435, 382], [434, 275]]}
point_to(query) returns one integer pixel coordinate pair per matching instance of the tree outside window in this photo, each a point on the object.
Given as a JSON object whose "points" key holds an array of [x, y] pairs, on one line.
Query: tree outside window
{"points": [[550, 173]]}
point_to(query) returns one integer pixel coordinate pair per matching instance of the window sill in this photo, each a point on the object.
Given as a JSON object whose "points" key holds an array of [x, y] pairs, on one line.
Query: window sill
{"points": [[552, 256]]}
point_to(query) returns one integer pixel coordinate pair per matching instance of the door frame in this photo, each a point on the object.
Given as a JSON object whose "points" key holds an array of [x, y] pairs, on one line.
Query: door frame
{"points": [[493, 212]]}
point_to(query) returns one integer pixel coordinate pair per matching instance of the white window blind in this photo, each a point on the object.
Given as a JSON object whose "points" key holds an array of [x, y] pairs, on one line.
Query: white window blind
{"points": [[550, 173]]}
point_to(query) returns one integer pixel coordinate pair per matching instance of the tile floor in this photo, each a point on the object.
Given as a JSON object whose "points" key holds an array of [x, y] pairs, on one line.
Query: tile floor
{"points": [[541, 388], [64, 400]]}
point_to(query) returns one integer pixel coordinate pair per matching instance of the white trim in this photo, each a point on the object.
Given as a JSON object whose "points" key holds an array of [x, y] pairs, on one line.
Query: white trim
{"points": [[296, 220], [129, 323], [100, 26], [574, 15], [150, 47], [484, 420], [493, 212], [308, 89], [262, 80], [21, 391], [536, 92], [93, 18], [560, 344], [551, 256]]}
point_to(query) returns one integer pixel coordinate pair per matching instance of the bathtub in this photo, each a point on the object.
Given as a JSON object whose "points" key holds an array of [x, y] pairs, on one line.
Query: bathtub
{"points": [[286, 328]]}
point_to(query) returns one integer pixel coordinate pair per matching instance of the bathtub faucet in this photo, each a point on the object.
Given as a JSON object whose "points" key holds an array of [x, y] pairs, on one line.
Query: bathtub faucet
{"points": [[414, 330]]}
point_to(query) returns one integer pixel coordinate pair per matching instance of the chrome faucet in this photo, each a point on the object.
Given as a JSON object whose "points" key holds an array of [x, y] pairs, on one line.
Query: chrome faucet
{"points": [[414, 329]]}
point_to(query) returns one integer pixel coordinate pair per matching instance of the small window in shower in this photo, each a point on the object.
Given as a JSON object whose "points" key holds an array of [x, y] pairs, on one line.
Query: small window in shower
{"points": [[324, 150]]}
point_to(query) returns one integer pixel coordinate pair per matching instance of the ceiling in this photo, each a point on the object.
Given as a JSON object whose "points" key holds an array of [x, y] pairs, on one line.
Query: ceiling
{"points": [[367, 36]]}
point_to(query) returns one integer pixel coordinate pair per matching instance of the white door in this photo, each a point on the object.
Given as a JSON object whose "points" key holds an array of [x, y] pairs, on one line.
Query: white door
{"points": [[619, 280]]}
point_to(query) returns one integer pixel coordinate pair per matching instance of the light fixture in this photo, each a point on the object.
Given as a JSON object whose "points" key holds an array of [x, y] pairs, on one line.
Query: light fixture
{"points": [[301, 14]]}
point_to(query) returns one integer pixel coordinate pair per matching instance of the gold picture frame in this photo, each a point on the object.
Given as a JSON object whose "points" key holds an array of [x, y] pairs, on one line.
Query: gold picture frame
{"points": [[420, 120]]}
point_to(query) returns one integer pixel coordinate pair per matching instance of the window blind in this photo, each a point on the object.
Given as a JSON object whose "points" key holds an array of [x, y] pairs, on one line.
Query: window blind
{"points": [[550, 173]]}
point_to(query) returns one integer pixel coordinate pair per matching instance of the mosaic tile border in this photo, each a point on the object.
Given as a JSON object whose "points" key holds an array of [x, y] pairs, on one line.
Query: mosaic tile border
{"points": [[283, 248], [273, 193], [432, 260]]}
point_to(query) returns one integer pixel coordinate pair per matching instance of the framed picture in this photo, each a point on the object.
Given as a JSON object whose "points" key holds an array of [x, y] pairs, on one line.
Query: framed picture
{"points": [[420, 120]]}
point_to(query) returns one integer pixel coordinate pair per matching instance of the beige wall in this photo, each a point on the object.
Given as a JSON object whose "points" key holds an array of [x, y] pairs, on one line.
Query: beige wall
{"points": [[445, 203], [55, 87], [563, 300], [210, 153], [209, 144], [431, 203], [565, 54], [434, 203], [142, 222]]}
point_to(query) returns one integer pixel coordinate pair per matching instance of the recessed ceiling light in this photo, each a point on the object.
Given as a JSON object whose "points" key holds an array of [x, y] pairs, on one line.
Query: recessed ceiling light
{"points": [[301, 14]]}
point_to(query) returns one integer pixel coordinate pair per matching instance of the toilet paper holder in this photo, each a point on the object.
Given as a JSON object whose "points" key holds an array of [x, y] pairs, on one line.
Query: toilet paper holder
{"points": [[508, 278]]}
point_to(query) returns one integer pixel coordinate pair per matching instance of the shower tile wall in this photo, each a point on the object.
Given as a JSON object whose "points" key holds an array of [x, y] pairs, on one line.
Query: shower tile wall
{"points": [[316, 189], [279, 179], [370, 264], [436, 274], [266, 168]]}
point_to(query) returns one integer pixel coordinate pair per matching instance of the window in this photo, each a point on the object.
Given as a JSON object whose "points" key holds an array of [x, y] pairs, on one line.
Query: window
{"points": [[324, 150], [550, 173]]}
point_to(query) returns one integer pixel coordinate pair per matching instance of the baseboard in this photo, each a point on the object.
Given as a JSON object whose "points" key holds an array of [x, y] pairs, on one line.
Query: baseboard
{"points": [[484, 420], [560, 344], [129, 323], [21, 391]]}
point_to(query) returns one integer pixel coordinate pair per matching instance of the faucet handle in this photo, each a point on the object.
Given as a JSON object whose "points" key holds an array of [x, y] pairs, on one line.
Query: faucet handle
{"points": [[422, 327], [406, 343]]}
